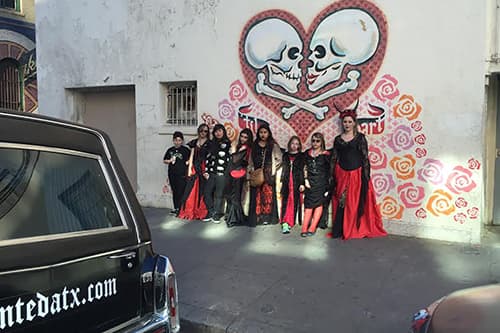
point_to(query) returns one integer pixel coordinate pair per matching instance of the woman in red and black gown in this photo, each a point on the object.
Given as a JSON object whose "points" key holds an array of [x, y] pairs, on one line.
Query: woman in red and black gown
{"points": [[292, 180], [355, 211], [193, 205], [266, 154]]}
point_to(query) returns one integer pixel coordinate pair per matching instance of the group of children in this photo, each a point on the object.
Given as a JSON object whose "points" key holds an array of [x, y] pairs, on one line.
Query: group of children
{"points": [[254, 182]]}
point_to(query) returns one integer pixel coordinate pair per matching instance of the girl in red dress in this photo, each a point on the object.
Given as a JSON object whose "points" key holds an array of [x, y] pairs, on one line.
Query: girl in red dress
{"points": [[292, 180], [193, 207], [355, 211]]}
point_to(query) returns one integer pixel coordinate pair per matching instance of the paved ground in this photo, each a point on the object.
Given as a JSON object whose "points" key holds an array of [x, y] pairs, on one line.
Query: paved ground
{"points": [[258, 280]]}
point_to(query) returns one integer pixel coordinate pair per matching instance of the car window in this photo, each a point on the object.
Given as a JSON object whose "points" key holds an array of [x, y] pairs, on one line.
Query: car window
{"points": [[47, 193]]}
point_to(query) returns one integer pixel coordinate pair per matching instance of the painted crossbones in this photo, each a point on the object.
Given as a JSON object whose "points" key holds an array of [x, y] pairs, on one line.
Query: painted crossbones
{"points": [[309, 105], [350, 84]]}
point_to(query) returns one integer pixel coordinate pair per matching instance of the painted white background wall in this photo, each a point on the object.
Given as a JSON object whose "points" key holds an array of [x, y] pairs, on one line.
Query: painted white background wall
{"points": [[435, 49]]}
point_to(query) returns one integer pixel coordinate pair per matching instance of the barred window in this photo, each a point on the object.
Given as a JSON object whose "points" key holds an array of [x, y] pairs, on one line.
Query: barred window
{"points": [[181, 103], [10, 85], [10, 4]]}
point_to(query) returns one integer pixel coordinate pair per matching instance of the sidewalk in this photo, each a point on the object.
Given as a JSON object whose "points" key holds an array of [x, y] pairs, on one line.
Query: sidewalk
{"points": [[257, 280]]}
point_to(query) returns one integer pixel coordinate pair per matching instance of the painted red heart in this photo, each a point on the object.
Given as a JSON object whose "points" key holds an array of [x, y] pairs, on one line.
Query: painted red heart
{"points": [[303, 122]]}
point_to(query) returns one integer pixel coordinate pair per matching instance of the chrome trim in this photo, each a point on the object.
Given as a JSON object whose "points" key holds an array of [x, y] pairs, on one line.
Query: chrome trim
{"points": [[106, 150], [149, 324], [69, 262], [48, 149], [123, 325], [128, 255], [44, 238], [64, 151]]}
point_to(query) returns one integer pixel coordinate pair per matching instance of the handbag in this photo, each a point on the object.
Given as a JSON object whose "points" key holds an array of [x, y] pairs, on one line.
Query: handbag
{"points": [[257, 176]]}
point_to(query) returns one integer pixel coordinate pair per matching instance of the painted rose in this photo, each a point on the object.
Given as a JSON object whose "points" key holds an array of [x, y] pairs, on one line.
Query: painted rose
{"points": [[439, 203], [232, 133], [226, 110], [404, 166], [237, 91], [209, 120], [460, 218], [420, 152], [420, 139], [473, 213], [461, 202], [417, 125], [400, 139], [391, 209], [378, 159], [460, 180], [382, 183], [432, 171], [474, 164], [386, 89], [411, 196], [407, 108], [421, 213]]}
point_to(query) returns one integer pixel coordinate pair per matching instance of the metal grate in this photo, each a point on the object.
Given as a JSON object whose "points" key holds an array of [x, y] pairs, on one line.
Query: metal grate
{"points": [[181, 102], [10, 85], [8, 4]]}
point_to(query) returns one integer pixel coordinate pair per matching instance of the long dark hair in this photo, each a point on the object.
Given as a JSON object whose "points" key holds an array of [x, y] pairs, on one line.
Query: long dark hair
{"points": [[249, 134], [270, 139]]}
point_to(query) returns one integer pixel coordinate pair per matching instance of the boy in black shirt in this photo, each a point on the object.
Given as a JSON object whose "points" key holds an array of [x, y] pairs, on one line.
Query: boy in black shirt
{"points": [[177, 158]]}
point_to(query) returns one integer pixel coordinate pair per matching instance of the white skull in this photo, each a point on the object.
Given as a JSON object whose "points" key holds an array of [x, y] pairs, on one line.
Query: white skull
{"points": [[349, 36], [275, 44]]}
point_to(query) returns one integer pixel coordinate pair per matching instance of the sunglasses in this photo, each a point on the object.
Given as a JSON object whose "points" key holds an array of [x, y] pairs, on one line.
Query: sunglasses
{"points": [[316, 140]]}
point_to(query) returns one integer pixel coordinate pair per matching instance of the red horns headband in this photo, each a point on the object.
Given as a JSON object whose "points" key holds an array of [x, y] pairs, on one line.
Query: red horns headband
{"points": [[347, 112]]}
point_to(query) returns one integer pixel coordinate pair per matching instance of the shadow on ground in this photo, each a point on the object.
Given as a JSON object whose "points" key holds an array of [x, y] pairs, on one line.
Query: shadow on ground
{"points": [[258, 280]]}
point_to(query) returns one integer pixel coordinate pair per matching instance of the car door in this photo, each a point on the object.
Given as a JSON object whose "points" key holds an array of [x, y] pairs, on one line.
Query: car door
{"points": [[71, 251]]}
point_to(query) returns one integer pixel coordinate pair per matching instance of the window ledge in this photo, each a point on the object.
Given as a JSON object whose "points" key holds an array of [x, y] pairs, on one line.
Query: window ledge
{"points": [[166, 129], [11, 12]]}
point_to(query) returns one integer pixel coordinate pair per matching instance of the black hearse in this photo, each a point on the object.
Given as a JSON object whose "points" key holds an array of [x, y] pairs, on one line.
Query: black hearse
{"points": [[75, 248]]}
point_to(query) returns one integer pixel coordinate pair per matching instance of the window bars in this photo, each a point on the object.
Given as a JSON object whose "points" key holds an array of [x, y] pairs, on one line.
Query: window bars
{"points": [[181, 103], [10, 85]]}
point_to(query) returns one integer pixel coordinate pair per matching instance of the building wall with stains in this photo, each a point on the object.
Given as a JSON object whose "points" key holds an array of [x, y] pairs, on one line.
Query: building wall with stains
{"points": [[415, 71]]}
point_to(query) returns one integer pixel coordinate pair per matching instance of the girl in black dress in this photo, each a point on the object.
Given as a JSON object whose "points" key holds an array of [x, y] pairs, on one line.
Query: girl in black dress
{"points": [[237, 178], [316, 181]]}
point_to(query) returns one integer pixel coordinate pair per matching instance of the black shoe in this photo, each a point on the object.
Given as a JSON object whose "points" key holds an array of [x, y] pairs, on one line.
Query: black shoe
{"points": [[303, 234], [311, 233], [208, 218], [174, 212]]}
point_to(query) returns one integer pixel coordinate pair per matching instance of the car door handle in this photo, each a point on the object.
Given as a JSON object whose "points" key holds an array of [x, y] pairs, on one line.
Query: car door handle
{"points": [[128, 255]]}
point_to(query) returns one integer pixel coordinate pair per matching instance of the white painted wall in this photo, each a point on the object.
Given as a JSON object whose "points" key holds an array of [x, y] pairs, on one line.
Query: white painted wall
{"points": [[435, 49]]}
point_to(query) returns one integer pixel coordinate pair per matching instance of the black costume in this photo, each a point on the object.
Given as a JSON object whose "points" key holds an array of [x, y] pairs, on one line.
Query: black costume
{"points": [[177, 172]]}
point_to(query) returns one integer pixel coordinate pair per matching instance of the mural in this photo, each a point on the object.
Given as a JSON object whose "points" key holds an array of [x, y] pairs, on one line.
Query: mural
{"points": [[295, 80], [299, 73]]}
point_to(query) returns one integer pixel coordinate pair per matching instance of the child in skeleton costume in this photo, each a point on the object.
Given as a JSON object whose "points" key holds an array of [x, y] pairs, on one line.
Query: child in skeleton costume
{"points": [[266, 154], [317, 184], [215, 174], [292, 180], [237, 179], [193, 207], [355, 211]]}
